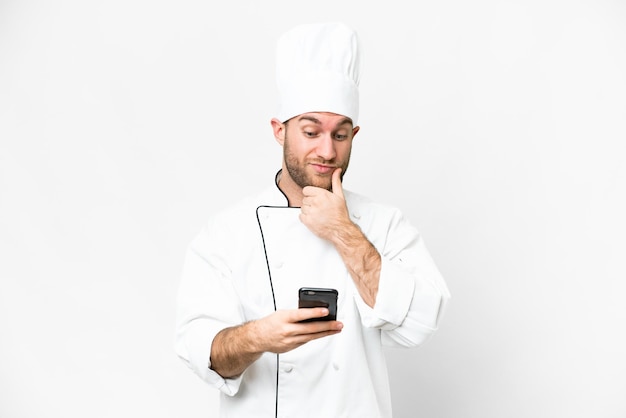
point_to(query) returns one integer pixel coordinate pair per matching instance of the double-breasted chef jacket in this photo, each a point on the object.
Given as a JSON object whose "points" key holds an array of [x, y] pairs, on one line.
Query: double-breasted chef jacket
{"points": [[258, 252]]}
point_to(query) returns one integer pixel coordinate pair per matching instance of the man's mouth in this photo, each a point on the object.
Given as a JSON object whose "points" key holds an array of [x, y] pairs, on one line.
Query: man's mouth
{"points": [[323, 168]]}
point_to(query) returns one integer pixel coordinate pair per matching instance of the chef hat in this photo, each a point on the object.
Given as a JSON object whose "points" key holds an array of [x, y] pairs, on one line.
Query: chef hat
{"points": [[317, 70]]}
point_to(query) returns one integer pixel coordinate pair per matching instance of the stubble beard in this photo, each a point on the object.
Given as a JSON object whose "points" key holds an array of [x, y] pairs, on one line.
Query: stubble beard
{"points": [[297, 170]]}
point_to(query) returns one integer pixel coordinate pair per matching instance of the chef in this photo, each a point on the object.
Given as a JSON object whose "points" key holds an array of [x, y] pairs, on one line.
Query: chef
{"points": [[238, 323]]}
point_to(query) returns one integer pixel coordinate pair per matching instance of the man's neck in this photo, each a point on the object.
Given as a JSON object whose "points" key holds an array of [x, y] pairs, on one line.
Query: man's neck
{"points": [[290, 189]]}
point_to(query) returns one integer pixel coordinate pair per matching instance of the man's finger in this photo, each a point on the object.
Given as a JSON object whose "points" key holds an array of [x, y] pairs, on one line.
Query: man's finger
{"points": [[337, 187], [310, 190], [309, 313]]}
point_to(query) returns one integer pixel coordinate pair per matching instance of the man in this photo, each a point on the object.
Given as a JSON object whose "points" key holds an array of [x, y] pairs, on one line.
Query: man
{"points": [[238, 325]]}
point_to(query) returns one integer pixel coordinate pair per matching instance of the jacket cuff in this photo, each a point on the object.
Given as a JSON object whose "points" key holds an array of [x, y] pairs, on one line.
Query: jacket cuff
{"points": [[195, 350], [393, 300]]}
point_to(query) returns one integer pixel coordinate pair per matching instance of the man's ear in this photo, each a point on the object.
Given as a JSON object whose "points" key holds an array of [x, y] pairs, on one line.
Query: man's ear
{"points": [[355, 130], [279, 131]]}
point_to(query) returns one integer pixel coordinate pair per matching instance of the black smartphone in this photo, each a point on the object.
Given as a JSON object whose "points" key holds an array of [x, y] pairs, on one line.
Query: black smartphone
{"points": [[314, 297]]}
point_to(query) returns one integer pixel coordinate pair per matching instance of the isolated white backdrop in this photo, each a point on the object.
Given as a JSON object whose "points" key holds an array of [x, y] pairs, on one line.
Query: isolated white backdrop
{"points": [[496, 126]]}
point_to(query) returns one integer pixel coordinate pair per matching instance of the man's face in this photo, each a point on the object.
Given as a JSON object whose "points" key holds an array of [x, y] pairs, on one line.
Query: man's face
{"points": [[315, 144]]}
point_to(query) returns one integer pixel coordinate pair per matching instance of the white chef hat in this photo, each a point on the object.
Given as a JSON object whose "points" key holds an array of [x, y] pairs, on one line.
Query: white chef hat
{"points": [[317, 70]]}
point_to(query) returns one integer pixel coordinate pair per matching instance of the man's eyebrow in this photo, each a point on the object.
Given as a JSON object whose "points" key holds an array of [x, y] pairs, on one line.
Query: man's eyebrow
{"points": [[310, 118], [317, 121], [343, 122]]}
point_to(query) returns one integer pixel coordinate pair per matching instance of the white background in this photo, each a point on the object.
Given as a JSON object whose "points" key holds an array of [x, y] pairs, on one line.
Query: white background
{"points": [[497, 127]]}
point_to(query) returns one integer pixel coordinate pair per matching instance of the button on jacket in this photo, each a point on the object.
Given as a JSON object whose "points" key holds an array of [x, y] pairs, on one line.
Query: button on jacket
{"points": [[259, 244]]}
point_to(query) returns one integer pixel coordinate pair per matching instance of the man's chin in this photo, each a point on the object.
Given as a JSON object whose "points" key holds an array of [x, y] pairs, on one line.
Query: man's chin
{"points": [[322, 183], [312, 179]]}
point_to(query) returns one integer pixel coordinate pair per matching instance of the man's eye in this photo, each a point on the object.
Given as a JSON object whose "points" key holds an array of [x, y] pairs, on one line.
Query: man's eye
{"points": [[309, 134], [341, 137]]}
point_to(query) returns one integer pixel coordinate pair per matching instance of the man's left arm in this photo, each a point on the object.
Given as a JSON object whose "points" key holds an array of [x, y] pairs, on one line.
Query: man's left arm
{"points": [[401, 289], [326, 215], [361, 259]]}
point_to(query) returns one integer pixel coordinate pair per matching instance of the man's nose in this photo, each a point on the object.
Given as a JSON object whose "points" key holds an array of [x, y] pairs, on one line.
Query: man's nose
{"points": [[326, 148]]}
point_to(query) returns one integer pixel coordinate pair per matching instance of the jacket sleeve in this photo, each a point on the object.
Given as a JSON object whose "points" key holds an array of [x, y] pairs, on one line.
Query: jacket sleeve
{"points": [[412, 295], [206, 304]]}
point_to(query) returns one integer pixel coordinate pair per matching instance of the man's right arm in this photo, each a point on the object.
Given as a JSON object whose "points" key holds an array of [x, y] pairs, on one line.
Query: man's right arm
{"points": [[235, 348]]}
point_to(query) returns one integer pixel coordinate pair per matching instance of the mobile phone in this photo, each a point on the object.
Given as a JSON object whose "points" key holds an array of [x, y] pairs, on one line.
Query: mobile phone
{"points": [[315, 297]]}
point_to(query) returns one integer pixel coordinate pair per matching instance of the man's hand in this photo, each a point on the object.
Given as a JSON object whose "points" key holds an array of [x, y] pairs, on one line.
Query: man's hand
{"points": [[324, 212], [282, 331], [235, 348]]}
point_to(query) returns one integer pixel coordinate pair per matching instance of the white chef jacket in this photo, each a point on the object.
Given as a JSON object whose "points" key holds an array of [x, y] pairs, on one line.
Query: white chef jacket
{"points": [[259, 251]]}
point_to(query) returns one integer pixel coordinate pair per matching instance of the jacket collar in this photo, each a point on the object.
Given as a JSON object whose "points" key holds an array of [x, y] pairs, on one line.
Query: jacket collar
{"points": [[273, 196]]}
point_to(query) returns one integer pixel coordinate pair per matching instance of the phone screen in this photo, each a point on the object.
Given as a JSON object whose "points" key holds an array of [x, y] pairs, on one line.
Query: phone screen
{"points": [[314, 297]]}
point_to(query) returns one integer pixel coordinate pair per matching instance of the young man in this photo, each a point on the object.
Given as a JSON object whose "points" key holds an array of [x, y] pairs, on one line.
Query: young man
{"points": [[238, 325]]}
